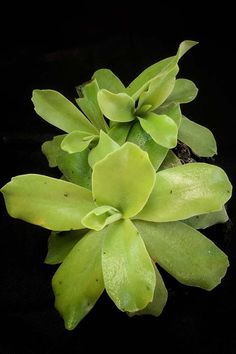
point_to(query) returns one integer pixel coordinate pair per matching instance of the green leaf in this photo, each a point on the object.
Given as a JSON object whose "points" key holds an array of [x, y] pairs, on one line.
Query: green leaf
{"points": [[77, 141], [198, 138], [156, 153], [184, 253], [61, 243], [106, 79], [119, 132], [124, 179], [205, 220], [187, 190], [171, 160], [159, 89], [52, 149], [48, 202], [78, 282], [184, 91], [100, 217], [128, 271], [138, 85], [171, 110], [161, 128], [75, 167], [116, 107], [60, 112], [89, 104], [104, 147], [158, 303]]}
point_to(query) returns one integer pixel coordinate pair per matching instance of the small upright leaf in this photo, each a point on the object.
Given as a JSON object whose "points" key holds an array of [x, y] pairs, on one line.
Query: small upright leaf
{"points": [[77, 141], [128, 271], [52, 149], [100, 217], [200, 139], [60, 112], [156, 152], [48, 202], [116, 107], [184, 191], [185, 253], [89, 104], [61, 243], [78, 282], [124, 179], [161, 128], [184, 91], [104, 147], [106, 79]]}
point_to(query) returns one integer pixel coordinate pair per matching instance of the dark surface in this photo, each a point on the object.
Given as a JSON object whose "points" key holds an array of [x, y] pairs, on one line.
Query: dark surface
{"points": [[194, 321]]}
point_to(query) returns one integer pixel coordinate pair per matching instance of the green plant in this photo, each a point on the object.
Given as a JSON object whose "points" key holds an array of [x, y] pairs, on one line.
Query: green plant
{"points": [[125, 200]]}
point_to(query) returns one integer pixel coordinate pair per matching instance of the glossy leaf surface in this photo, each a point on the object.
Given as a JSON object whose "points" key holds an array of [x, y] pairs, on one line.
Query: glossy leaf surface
{"points": [[77, 141], [106, 79]]}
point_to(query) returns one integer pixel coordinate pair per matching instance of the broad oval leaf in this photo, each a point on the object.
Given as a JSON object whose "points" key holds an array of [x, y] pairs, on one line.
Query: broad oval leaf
{"points": [[158, 303], [106, 79], [197, 137], [161, 128], [100, 217], [77, 141], [156, 152], [184, 91], [187, 190], [185, 253], [104, 147], [60, 112], [128, 272], [48, 202], [205, 220], [124, 179], [61, 243], [116, 107], [78, 282]]}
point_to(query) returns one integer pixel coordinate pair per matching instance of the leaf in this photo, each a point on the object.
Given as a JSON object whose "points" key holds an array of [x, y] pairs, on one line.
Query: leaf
{"points": [[52, 148], [187, 190], [75, 167], [60, 112], [138, 85], [100, 217], [106, 79], [128, 271], [116, 107], [102, 149], [48, 202], [89, 104], [158, 303], [171, 160], [184, 253], [171, 110], [200, 139], [156, 153], [119, 132], [78, 282], [61, 243], [205, 220], [124, 179], [184, 91], [77, 141], [159, 89], [161, 128]]}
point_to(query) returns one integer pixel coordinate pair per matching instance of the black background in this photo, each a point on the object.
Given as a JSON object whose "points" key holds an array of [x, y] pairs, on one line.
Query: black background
{"points": [[60, 52]]}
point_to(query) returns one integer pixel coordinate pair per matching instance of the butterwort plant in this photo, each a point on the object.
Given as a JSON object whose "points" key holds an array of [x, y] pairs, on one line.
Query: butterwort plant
{"points": [[125, 204]]}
